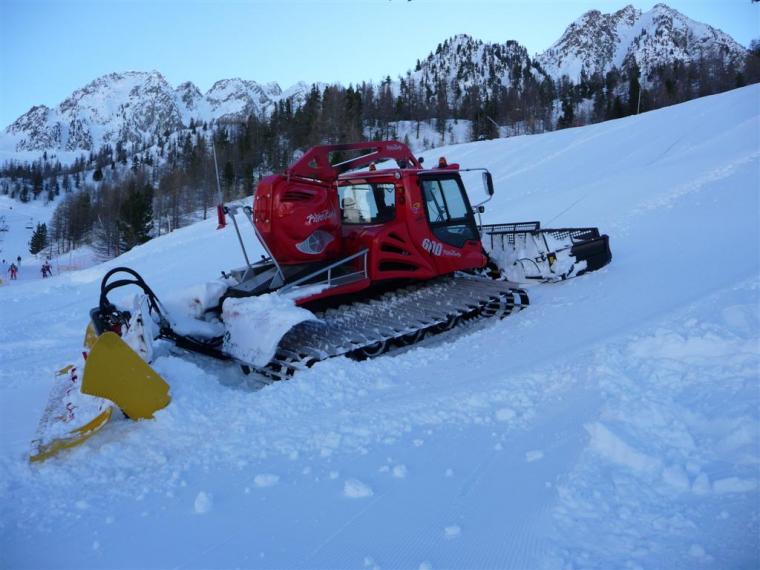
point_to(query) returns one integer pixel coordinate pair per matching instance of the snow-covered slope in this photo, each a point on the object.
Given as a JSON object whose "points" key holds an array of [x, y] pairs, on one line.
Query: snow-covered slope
{"points": [[598, 42], [613, 423]]}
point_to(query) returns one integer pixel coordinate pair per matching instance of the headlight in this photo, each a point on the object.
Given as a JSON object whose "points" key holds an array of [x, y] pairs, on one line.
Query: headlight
{"points": [[315, 243]]}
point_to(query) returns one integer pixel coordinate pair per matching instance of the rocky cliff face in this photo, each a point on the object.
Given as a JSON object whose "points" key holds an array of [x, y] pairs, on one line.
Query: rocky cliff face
{"points": [[133, 106], [598, 42], [462, 62]]}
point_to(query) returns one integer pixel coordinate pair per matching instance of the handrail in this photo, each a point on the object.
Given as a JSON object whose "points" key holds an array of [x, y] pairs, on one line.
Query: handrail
{"points": [[249, 212], [328, 269]]}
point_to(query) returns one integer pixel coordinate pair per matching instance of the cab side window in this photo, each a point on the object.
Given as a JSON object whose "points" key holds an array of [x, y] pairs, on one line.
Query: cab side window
{"points": [[367, 203], [448, 211]]}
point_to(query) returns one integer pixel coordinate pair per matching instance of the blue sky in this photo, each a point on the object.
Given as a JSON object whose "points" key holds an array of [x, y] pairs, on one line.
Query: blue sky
{"points": [[49, 48]]}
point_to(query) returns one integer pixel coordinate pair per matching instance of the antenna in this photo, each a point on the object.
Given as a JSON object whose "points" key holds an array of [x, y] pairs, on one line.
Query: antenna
{"points": [[219, 199]]}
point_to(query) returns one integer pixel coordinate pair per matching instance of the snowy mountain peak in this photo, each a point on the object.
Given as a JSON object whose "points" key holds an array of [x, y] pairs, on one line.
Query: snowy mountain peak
{"points": [[115, 107], [629, 12], [462, 63], [132, 106], [665, 9], [188, 89], [597, 42], [273, 88]]}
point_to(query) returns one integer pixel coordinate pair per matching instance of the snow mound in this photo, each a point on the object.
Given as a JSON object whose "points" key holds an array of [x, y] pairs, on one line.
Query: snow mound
{"points": [[255, 325], [355, 489]]}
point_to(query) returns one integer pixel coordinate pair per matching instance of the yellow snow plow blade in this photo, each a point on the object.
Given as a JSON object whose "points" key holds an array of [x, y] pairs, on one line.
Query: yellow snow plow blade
{"points": [[90, 336], [115, 372], [77, 436]]}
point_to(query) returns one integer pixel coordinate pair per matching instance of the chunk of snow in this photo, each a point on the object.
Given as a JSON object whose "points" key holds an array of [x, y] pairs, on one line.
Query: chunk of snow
{"points": [[696, 551], [452, 531], [534, 455], [399, 471], [505, 414], [266, 480], [355, 489], [676, 477], [203, 503], [611, 447], [734, 485], [701, 485], [256, 325], [195, 300]]}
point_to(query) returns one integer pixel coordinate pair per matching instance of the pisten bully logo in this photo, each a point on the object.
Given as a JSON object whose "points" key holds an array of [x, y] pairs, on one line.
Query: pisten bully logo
{"points": [[322, 216]]}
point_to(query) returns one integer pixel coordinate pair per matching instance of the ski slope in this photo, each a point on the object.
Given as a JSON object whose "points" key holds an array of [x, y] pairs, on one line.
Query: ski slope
{"points": [[20, 221], [614, 423]]}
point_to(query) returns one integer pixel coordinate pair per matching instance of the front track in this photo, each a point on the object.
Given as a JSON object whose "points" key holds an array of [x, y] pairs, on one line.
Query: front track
{"points": [[399, 318]]}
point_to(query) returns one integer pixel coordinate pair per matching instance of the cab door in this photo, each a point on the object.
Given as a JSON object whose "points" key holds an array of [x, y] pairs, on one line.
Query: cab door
{"points": [[454, 240]]}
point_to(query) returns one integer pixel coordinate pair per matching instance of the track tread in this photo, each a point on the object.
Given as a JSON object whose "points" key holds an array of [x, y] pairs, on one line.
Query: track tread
{"points": [[397, 318]]}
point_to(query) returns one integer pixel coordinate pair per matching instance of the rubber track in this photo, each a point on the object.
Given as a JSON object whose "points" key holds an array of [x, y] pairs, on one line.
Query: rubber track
{"points": [[398, 318]]}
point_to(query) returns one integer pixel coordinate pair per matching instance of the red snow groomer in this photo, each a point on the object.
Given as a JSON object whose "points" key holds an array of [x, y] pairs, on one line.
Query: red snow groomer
{"points": [[367, 251]]}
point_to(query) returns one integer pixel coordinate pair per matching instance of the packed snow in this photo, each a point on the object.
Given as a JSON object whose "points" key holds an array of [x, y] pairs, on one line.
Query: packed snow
{"points": [[613, 423]]}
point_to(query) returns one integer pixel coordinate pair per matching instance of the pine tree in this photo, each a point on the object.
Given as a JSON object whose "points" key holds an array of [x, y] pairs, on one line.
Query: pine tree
{"points": [[228, 177], [136, 216], [39, 239], [634, 90], [37, 183], [568, 115]]}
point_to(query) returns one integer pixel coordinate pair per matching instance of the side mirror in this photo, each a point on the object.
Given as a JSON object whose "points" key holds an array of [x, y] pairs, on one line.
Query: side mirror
{"points": [[488, 183]]}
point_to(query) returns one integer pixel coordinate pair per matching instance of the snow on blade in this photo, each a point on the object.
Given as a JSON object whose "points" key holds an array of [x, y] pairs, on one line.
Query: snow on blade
{"points": [[255, 325]]}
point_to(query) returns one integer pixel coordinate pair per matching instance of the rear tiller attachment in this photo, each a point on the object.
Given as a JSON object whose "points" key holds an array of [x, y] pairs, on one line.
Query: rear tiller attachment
{"points": [[524, 251]]}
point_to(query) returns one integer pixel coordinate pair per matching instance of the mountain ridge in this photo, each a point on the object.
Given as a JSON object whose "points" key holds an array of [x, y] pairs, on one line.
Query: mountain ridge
{"points": [[126, 107], [133, 106], [596, 42]]}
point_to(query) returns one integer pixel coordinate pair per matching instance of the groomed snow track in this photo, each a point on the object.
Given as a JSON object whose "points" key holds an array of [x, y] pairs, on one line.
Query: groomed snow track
{"points": [[395, 319]]}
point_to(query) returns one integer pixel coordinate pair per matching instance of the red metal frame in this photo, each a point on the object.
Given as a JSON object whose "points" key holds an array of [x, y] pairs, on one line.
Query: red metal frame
{"points": [[315, 163]]}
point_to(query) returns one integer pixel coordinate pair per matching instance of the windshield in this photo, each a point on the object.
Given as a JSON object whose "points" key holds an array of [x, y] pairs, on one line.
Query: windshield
{"points": [[369, 203]]}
